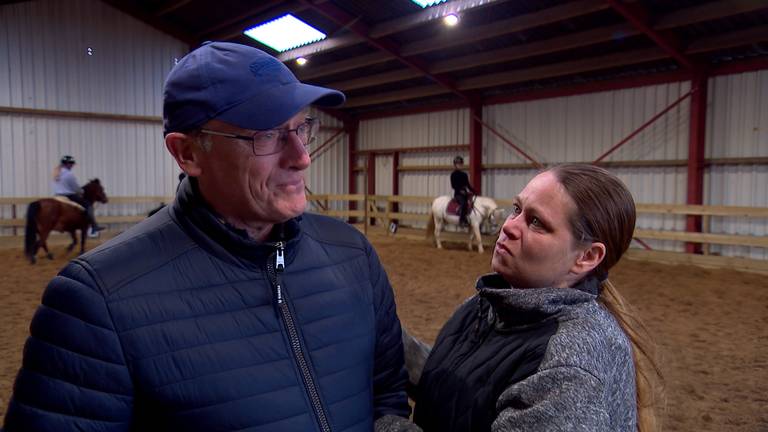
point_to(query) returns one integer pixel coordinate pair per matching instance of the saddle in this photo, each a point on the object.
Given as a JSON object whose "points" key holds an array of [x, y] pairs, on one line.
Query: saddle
{"points": [[453, 206], [64, 200]]}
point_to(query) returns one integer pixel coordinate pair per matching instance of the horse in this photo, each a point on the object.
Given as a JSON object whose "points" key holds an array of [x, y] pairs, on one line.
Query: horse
{"points": [[59, 214], [483, 208]]}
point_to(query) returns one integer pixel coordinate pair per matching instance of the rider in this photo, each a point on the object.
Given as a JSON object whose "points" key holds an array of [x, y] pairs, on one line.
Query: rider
{"points": [[65, 184], [462, 190]]}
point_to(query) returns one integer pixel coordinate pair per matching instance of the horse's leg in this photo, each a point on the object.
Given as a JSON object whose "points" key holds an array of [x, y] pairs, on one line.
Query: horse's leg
{"points": [[475, 228], [74, 241], [438, 228], [44, 244], [83, 235]]}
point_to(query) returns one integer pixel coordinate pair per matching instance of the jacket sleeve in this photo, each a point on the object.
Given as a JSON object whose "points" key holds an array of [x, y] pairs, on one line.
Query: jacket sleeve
{"points": [[71, 182], [389, 374], [563, 398], [73, 375]]}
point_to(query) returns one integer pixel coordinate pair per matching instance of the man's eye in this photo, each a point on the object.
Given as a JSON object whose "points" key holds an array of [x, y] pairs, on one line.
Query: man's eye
{"points": [[267, 135], [536, 222], [516, 209]]}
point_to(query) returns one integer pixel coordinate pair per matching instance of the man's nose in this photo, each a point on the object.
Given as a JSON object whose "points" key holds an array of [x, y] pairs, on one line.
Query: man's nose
{"points": [[295, 153]]}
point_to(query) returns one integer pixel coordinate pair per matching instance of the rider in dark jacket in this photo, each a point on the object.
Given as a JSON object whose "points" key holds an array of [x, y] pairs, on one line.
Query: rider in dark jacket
{"points": [[462, 190]]}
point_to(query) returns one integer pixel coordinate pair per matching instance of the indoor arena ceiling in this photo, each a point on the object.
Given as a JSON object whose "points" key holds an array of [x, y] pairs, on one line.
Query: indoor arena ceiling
{"points": [[394, 55]]}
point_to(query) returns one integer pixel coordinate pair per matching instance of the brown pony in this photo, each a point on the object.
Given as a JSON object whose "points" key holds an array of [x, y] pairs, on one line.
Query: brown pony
{"points": [[50, 214]]}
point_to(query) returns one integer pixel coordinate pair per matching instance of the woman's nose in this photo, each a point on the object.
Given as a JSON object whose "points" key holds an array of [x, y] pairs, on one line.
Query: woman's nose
{"points": [[511, 227]]}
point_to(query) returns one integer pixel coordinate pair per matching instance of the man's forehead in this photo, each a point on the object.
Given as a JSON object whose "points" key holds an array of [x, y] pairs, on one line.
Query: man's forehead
{"points": [[228, 127]]}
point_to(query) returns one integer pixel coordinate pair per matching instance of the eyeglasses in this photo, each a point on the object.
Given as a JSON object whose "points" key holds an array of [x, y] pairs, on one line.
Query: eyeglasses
{"points": [[271, 141]]}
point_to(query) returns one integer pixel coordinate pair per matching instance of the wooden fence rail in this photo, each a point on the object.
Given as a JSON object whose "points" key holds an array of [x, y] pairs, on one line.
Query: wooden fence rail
{"points": [[382, 209]]}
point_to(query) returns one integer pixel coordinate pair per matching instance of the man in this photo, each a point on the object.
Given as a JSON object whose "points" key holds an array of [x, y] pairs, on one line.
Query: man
{"points": [[65, 184], [228, 310], [462, 190]]}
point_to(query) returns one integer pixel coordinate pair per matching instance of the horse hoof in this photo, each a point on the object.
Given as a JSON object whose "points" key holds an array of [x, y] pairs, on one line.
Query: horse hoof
{"points": [[49, 256], [32, 260]]}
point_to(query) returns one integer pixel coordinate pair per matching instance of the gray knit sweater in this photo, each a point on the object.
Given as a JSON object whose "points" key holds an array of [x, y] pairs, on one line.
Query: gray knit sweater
{"points": [[566, 366]]}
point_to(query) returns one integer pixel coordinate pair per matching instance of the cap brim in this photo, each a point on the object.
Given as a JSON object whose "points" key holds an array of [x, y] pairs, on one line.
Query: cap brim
{"points": [[274, 107]]}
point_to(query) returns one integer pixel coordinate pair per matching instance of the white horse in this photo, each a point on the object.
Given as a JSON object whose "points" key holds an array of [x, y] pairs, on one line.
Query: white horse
{"points": [[484, 208]]}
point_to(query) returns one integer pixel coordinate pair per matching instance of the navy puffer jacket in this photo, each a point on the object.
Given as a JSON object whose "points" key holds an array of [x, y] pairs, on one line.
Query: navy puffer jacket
{"points": [[183, 324]]}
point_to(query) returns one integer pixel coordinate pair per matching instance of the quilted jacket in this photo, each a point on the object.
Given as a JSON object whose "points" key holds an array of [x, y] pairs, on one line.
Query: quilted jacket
{"points": [[184, 324]]}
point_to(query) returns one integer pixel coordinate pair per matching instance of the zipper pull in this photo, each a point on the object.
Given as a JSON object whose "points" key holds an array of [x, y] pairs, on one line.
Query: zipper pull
{"points": [[280, 258]]}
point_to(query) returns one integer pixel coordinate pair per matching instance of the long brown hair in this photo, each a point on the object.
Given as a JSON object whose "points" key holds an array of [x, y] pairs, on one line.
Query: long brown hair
{"points": [[605, 213]]}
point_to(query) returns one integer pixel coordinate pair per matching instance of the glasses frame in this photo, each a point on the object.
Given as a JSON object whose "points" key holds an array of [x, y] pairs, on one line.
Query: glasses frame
{"points": [[282, 135]]}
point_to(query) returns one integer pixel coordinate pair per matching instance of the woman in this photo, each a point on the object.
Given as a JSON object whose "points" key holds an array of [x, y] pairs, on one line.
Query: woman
{"points": [[547, 343]]}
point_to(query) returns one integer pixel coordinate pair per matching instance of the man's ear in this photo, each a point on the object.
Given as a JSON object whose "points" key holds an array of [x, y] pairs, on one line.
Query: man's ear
{"points": [[588, 259], [186, 152]]}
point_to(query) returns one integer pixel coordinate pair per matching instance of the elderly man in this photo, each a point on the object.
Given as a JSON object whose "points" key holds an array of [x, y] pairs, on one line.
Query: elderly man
{"points": [[229, 310]]}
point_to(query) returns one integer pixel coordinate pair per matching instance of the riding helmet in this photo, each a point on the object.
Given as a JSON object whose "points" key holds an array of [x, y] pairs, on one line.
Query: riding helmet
{"points": [[67, 159]]}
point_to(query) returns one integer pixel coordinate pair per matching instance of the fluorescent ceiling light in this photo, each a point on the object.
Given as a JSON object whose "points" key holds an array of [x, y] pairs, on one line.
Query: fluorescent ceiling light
{"points": [[425, 3], [285, 33]]}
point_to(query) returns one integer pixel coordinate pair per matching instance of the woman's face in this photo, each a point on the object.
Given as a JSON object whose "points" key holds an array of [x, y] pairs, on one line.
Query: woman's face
{"points": [[536, 247]]}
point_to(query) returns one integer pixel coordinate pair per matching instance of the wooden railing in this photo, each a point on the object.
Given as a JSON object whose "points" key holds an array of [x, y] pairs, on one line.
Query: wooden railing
{"points": [[18, 221], [381, 208]]}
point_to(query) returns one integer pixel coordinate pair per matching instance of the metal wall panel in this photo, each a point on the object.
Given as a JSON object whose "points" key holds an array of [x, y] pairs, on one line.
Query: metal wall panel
{"points": [[329, 172], [737, 126], [44, 52], [581, 128], [420, 130]]}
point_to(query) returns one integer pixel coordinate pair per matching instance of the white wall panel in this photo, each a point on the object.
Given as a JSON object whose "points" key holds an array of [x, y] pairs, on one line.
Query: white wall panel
{"points": [[581, 128], [420, 130], [329, 172], [737, 126]]}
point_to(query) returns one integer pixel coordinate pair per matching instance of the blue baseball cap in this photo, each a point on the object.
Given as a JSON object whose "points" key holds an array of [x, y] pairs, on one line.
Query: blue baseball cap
{"points": [[237, 84]]}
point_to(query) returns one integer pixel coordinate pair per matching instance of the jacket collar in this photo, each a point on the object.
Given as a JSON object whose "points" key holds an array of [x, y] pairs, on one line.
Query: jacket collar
{"points": [[223, 240], [515, 306]]}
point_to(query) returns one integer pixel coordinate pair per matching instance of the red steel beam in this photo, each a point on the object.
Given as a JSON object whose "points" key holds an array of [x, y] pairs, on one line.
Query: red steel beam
{"points": [[395, 179], [328, 141], [476, 147], [644, 125], [351, 128], [698, 127], [638, 17], [358, 27]]}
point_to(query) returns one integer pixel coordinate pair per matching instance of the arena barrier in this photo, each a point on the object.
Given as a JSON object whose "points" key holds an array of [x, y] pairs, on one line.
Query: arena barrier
{"points": [[122, 211], [382, 210]]}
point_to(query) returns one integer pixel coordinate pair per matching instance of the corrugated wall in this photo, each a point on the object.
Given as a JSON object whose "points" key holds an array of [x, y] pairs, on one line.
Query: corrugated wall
{"points": [[44, 52], [737, 126], [581, 128], [422, 130], [329, 172]]}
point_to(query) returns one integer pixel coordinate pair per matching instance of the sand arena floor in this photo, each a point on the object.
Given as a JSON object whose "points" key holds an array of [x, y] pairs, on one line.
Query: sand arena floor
{"points": [[711, 325]]}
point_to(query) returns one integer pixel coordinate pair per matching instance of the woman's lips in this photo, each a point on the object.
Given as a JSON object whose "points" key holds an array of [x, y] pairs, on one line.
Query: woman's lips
{"points": [[501, 247]]}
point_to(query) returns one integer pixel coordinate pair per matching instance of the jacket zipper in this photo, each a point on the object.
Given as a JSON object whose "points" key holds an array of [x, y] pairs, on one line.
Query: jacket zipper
{"points": [[274, 269]]}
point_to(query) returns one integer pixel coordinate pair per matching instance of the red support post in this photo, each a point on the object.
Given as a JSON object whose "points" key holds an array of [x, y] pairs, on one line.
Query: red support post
{"points": [[395, 179], [351, 128], [476, 146], [371, 173], [698, 127]]}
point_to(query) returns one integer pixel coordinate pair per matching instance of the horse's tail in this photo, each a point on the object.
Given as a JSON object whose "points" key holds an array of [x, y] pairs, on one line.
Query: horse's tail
{"points": [[30, 232], [430, 226]]}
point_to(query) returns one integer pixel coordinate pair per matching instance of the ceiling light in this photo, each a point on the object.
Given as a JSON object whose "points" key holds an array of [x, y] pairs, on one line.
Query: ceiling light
{"points": [[301, 61], [425, 3], [451, 20], [285, 33]]}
